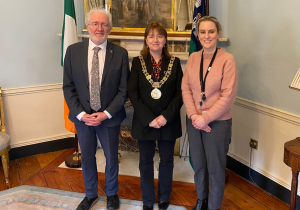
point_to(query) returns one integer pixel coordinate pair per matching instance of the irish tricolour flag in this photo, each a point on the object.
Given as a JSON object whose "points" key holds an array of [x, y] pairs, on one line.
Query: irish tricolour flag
{"points": [[69, 36], [69, 30]]}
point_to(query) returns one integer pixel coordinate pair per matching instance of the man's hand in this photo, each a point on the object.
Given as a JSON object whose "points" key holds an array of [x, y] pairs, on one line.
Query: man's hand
{"points": [[100, 116], [199, 123], [161, 120], [154, 124], [89, 120]]}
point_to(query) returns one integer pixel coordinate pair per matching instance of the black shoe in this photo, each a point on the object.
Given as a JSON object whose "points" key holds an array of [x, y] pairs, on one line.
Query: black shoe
{"points": [[201, 205], [87, 203], [147, 207], [163, 205], [113, 202]]}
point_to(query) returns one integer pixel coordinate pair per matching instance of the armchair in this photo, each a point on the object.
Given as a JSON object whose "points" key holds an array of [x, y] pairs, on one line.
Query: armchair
{"points": [[4, 142]]}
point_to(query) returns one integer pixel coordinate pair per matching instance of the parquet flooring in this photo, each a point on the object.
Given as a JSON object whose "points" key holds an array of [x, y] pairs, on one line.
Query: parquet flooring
{"points": [[42, 170]]}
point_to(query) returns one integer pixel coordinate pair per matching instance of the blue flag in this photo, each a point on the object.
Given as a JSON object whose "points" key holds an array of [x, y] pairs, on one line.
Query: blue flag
{"points": [[199, 11]]}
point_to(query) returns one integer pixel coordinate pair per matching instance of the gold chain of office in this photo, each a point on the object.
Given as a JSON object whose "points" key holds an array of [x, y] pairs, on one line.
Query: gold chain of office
{"points": [[148, 76]]}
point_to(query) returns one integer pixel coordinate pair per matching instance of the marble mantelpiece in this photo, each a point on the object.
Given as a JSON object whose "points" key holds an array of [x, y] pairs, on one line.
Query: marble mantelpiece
{"points": [[178, 43]]}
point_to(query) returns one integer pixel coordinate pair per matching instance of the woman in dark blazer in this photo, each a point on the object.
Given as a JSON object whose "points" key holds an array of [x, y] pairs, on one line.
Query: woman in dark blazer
{"points": [[154, 88]]}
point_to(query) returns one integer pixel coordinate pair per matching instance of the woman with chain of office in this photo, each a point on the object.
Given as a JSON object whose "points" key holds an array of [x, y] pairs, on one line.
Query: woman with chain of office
{"points": [[154, 89]]}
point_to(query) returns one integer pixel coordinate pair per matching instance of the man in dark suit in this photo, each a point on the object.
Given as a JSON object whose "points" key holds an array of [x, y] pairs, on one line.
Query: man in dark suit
{"points": [[94, 86]]}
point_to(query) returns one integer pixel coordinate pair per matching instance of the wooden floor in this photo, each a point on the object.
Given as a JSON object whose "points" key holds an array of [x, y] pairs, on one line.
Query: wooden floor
{"points": [[42, 170]]}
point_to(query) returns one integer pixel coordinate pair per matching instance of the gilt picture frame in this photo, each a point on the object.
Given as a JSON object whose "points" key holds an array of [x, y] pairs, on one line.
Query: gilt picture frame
{"points": [[134, 15]]}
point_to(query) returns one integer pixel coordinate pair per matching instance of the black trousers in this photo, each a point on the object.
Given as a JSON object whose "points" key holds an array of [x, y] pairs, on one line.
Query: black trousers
{"points": [[165, 176]]}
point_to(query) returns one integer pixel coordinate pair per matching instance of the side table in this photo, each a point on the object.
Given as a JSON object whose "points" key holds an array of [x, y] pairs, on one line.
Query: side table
{"points": [[292, 159]]}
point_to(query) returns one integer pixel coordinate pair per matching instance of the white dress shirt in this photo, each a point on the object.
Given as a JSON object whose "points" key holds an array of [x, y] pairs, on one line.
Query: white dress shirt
{"points": [[101, 56]]}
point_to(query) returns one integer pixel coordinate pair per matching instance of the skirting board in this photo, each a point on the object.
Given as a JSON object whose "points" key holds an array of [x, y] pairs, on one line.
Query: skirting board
{"points": [[258, 170], [42, 140], [40, 148], [262, 181]]}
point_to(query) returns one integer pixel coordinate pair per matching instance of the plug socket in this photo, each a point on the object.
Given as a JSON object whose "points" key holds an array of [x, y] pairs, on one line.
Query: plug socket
{"points": [[253, 143]]}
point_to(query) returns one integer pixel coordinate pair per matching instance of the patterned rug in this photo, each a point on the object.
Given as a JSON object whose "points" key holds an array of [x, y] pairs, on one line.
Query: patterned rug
{"points": [[40, 198]]}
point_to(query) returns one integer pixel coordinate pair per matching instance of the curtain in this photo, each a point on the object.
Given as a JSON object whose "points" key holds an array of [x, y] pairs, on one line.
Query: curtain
{"points": [[190, 6], [178, 8], [96, 3]]}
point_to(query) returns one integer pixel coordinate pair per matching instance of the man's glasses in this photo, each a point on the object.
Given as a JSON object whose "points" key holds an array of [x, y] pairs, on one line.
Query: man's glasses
{"points": [[96, 25]]}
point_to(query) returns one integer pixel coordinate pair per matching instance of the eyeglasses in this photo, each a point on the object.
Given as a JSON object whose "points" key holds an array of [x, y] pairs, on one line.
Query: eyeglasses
{"points": [[96, 25]]}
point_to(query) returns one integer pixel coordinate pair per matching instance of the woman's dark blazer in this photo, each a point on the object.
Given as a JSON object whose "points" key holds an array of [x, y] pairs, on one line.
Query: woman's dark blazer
{"points": [[146, 109]]}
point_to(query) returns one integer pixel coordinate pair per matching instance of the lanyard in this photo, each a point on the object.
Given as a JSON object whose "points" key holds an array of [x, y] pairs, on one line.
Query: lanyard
{"points": [[202, 82]]}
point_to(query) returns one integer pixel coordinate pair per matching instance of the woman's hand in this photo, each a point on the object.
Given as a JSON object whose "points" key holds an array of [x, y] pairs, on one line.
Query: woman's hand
{"points": [[161, 120], [199, 123], [154, 124], [206, 128]]}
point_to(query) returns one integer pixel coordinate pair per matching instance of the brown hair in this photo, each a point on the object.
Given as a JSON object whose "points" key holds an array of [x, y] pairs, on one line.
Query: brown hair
{"points": [[162, 31], [212, 19]]}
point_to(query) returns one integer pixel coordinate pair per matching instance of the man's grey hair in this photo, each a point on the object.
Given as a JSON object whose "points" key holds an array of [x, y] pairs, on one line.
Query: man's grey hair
{"points": [[98, 10]]}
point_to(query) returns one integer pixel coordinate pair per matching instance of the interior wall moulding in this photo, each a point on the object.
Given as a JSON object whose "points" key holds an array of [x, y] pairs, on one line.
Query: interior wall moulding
{"points": [[32, 89], [268, 110], [140, 36]]}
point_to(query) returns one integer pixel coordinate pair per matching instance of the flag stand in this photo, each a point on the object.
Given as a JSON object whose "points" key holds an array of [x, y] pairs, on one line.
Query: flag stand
{"points": [[74, 160]]}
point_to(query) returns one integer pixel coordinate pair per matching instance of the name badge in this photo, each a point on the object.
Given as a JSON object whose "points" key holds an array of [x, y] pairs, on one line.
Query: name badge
{"points": [[204, 110]]}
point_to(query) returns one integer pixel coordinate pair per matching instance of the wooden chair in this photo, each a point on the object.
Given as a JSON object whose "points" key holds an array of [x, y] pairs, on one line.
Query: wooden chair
{"points": [[4, 143]]}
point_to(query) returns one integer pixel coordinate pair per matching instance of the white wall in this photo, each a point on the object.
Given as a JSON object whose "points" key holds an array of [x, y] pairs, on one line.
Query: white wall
{"points": [[219, 9], [272, 128], [30, 69], [34, 114], [30, 50], [264, 39]]}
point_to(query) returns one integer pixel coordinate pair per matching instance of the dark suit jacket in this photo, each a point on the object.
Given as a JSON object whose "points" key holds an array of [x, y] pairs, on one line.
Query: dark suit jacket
{"points": [[146, 109], [113, 85]]}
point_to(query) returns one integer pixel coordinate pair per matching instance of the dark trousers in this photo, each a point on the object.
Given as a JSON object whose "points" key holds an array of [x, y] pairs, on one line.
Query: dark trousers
{"points": [[165, 176], [109, 140], [209, 155]]}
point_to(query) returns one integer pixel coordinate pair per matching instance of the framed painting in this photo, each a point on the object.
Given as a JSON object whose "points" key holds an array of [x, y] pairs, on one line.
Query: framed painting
{"points": [[129, 15]]}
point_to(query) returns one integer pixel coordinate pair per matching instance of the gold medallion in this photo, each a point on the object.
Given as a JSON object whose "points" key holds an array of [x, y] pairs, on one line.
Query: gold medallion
{"points": [[156, 93]]}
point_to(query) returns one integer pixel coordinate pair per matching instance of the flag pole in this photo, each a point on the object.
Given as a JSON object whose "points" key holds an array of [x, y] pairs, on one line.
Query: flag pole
{"points": [[207, 7]]}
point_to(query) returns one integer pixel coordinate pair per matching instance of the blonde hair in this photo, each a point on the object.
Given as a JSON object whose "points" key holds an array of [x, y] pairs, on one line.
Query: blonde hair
{"points": [[162, 31], [211, 19]]}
